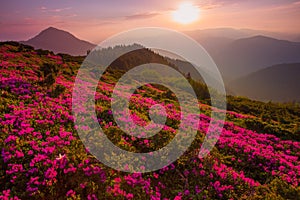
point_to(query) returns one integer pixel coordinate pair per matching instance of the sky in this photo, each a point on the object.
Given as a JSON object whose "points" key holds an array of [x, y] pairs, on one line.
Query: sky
{"points": [[96, 20]]}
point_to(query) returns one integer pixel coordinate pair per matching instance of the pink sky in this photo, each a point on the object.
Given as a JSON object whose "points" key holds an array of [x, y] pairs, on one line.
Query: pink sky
{"points": [[96, 20]]}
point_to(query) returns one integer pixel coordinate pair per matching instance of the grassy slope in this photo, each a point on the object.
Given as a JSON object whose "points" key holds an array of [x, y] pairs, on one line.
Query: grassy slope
{"points": [[35, 108]]}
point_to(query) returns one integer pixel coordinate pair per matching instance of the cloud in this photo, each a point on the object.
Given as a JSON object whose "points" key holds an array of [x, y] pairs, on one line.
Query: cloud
{"points": [[141, 15], [106, 23], [71, 15], [43, 8], [207, 5], [297, 3], [284, 6], [56, 10], [60, 9]]}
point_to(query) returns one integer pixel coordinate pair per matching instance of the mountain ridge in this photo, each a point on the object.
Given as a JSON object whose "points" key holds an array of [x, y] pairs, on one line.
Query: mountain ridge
{"points": [[59, 41], [234, 58], [247, 55], [274, 83]]}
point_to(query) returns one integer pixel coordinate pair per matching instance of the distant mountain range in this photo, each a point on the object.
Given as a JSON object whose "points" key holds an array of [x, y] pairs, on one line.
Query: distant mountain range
{"points": [[59, 41], [234, 34], [276, 83], [240, 54], [247, 55]]}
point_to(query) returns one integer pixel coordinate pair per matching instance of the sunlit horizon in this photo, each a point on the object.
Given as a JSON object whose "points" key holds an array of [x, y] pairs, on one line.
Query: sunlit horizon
{"points": [[97, 20]]}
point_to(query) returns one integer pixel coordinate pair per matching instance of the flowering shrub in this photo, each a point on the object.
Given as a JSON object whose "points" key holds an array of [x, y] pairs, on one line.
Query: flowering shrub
{"points": [[42, 156]]}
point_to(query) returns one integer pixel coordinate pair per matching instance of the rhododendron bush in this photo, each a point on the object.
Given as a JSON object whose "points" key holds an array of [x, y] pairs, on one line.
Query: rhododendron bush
{"points": [[42, 156]]}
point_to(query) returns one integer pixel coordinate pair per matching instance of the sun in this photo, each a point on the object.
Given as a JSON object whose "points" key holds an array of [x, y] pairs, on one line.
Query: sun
{"points": [[186, 13]]}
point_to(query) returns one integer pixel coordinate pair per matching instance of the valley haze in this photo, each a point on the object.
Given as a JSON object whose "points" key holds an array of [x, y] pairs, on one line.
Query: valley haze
{"points": [[237, 53]]}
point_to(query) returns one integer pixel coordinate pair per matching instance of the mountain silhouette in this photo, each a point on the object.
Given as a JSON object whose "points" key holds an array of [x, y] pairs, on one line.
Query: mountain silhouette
{"points": [[276, 83], [235, 33], [59, 41], [247, 55], [240, 61]]}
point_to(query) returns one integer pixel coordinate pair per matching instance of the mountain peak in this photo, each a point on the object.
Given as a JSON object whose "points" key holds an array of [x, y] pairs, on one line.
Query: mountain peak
{"points": [[59, 41], [51, 28], [263, 37], [52, 31]]}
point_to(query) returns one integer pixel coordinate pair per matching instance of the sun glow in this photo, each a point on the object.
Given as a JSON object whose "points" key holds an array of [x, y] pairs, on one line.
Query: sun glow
{"points": [[186, 13]]}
